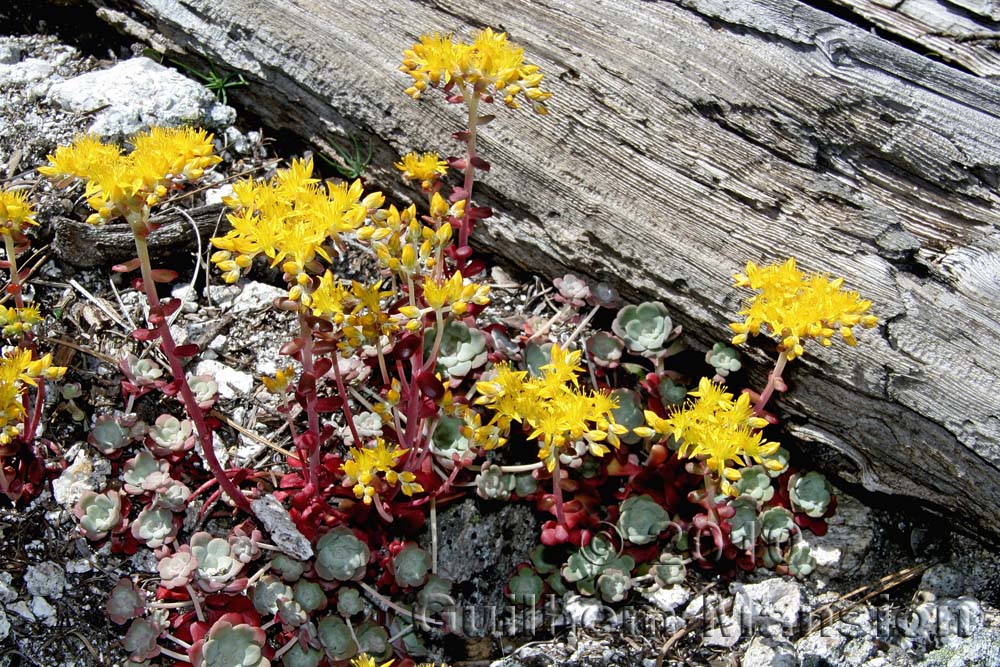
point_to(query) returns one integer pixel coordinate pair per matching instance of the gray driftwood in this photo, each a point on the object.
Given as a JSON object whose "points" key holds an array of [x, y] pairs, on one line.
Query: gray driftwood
{"points": [[87, 246], [965, 32], [686, 138]]}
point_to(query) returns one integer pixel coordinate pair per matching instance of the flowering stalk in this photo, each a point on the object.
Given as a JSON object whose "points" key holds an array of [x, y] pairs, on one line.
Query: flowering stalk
{"points": [[169, 348], [557, 493], [465, 228], [15, 278], [774, 383], [312, 415], [342, 390]]}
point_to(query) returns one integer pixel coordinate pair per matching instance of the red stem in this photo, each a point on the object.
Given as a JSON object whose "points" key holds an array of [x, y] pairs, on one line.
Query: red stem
{"points": [[465, 229], [348, 414], [772, 384], [169, 348], [558, 494], [312, 414]]}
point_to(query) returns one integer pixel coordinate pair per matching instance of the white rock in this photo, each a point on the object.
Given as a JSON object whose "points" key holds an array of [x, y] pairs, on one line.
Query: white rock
{"points": [[670, 598], [767, 653], [221, 452], [232, 383], [144, 560], [21, 609], [188, 295], [776, 599], [256, 296], [237, 141], [223, 295], [584, 612], [43, 611], [7, 592], [45, 579], [217, 194], [85, 473], [726, 629], [137, 94], [10, 52], [4, 625], [943, 580], [78, 566], [27, 71], [279, 526]]}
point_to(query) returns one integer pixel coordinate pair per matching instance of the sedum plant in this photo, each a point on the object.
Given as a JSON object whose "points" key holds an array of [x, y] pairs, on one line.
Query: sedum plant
{"points": [[23, 369], [129, 186], [642, 519], [230, 643], [645, 328], [405, 391], [810, 493], [340, 556], [460, 350], [98, 513]]}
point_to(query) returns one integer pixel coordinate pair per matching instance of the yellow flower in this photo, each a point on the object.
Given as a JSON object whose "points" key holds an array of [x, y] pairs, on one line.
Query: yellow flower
{"points": [[293, 220], [365, 660], [15, 322], [453, 294], [18, 368], [15, 212], [793, 307], [426, 168], [279, 383], [489, 62], [367, 463], [560, 413], [129, 185], [720, 431]]}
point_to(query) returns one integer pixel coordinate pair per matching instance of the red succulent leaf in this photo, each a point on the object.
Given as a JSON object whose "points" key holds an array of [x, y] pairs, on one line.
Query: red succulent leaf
{"points": [[163, 275], [145, 335], [474, 267], [126, 267], [291, 348], [189, 350], [430, 385], [480, 212], [329, 404]]}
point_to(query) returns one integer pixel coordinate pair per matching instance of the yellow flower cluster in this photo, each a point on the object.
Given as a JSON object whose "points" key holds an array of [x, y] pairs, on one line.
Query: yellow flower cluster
{"points": [[454, 294], [17, 368], [129, 185], [15, 212], [357, 309], [426, 168], [403, 244], [794, 307], [490, 61], [279, 383], [365, 660], [292, 219], [18, 321], [717, 430], [367, 463], [559, 412]]}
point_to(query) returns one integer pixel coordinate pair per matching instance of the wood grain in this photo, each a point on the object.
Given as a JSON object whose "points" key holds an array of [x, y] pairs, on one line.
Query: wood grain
{"points": [[965, 33], [686, 138]]}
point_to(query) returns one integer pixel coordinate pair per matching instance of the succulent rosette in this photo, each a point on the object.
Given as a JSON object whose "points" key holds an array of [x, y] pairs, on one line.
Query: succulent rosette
{"points": [[230, 643]]}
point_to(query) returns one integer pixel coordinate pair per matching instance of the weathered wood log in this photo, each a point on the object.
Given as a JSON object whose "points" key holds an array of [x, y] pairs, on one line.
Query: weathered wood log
{"points": [[964, 32], [684, 139], [87, 246]]}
